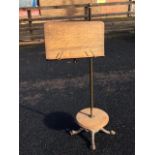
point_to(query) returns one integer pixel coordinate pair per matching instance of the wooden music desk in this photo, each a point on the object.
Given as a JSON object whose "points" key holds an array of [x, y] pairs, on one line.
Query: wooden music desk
{"points": [[66, 40]]}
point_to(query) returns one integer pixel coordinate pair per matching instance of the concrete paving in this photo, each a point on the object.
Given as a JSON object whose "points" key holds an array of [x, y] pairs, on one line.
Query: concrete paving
{"points": [[52, 92]]}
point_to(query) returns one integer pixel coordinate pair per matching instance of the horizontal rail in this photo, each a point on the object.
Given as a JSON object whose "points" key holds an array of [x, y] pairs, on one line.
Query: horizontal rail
{"points": [[116, 30], [112, 3], [24, 25], [53, 18], [74, 17], [34, 35], [107, 28], [30, 38], [41, 41], [106, 23], [31, 28], [54, 7], [112, 14]]}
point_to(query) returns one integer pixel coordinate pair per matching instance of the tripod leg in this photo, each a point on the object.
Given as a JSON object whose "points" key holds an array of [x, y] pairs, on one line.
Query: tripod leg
{"points": [[111, 132], [93, 146], [75, 132]]}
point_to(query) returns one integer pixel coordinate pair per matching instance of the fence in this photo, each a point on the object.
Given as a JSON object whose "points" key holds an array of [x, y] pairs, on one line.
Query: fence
{"points": [[31, 27]]}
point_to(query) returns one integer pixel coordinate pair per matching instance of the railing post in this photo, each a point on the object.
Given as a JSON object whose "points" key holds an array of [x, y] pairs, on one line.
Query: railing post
{"points": [[30, 23], [88, 12], [129, 8]]}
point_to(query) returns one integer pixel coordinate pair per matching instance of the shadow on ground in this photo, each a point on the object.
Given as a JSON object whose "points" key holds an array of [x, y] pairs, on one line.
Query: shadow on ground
{"points": [[66, 121]]}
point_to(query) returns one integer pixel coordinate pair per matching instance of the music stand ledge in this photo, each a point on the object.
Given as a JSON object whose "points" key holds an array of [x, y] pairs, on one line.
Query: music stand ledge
{"points": [[65, 40]]}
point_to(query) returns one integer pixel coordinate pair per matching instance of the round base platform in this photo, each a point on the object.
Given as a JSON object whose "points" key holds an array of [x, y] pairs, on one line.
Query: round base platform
{"points": [[99, 119]]}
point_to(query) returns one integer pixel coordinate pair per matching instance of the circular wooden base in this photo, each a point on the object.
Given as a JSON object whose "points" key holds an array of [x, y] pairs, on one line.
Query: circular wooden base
{"points": [[99, 119]]}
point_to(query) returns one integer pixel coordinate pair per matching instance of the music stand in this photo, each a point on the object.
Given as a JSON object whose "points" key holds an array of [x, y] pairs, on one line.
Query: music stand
{"points": [[64, 40]]}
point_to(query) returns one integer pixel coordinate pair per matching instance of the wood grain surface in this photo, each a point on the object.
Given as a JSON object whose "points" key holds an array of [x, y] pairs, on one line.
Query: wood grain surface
{"points": [[65, 40], [99, 120]]}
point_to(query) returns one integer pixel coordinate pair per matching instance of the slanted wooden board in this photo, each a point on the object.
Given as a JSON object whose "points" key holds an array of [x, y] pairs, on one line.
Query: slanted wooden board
{"points": [[64, 40]]}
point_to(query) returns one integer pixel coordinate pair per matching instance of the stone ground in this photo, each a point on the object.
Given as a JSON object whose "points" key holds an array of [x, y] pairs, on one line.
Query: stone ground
{"points": [[52, 92]]}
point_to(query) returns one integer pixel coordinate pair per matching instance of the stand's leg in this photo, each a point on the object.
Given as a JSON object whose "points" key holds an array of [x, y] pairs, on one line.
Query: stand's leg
{"points": [[93, 146], [111, 132], [75, 132]]}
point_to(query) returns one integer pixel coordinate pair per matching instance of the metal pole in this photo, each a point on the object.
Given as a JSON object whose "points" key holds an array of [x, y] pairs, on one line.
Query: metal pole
{"points": [[91, 79]]}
